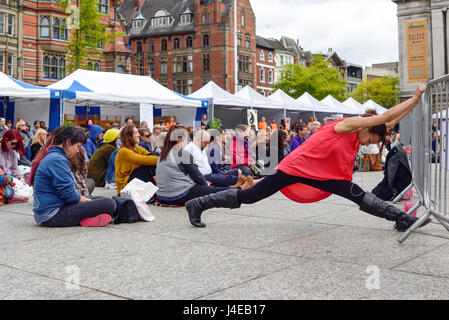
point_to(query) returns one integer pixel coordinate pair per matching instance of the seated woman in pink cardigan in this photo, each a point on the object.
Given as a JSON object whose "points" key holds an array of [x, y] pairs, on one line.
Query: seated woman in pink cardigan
{"points": [[11, 144]]}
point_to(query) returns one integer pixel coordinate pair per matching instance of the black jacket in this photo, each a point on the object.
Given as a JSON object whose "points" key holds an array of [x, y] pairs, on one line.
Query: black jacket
{"points": [[397, 175]]}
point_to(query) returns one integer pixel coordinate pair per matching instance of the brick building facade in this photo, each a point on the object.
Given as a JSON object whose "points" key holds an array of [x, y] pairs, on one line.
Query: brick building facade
{"points": [[45, 41], [185, 44]]}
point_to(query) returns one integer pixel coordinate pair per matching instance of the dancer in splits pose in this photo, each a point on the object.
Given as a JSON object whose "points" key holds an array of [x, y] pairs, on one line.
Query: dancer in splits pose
{"points": [[322, 166]]}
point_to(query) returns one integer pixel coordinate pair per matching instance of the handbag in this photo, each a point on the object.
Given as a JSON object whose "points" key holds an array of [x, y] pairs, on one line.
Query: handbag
{"points": [[126, 211]]}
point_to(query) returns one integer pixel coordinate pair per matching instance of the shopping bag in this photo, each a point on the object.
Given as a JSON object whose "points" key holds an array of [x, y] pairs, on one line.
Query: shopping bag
{"points": [[140, 192]]}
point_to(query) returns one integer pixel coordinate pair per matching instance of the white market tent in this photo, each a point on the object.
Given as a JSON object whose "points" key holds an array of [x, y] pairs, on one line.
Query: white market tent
{"points": [[354, 105], [225, 106], [218, 96], [256, 100], [307, 99], [265, 108], [332, 102], [126, 94], [289, 103], [370, 104], [20, 99]]}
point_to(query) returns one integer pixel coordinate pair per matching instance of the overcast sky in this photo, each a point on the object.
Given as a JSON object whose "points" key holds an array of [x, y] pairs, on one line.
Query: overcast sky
{"points": [[360, 31]]}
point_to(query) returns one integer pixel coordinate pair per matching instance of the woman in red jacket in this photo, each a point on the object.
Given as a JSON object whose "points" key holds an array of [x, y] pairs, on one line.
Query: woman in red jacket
{"points": [[306, 175]]}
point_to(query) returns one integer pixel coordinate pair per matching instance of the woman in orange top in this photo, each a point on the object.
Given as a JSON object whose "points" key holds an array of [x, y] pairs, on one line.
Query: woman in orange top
{"points": [[262, 124], [273, 124], [133, 161], [170, 123]]}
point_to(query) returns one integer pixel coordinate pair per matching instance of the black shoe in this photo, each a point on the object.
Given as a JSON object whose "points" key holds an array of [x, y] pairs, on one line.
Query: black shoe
{"points": [[404, 223], [379, 208], [222, 199]]}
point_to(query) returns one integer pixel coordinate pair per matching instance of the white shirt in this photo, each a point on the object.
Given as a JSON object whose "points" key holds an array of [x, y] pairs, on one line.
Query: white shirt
{"points": [[200, 158]]}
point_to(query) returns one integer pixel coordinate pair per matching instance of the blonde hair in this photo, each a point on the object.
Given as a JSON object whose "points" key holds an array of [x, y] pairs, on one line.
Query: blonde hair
{"points": [[19, 123], [37, 136]]}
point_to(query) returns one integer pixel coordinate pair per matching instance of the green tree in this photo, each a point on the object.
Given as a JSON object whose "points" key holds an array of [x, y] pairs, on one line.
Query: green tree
{"points": [[319, 80], [383, 91], [88, 36]]}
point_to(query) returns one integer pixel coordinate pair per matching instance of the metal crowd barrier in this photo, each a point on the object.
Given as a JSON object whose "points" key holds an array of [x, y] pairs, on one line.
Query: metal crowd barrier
{"points": [[430, 171]]}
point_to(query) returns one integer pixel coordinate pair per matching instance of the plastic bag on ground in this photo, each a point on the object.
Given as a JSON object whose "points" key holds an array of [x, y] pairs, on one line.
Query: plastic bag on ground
{"points": [[140, 192]]}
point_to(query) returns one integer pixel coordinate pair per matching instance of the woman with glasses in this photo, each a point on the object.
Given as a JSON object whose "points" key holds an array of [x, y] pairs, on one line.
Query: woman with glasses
{"points": [[11, 144], [145, 137]]}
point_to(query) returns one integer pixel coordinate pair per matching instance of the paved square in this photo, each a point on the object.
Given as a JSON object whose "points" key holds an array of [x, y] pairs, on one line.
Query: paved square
{"points": [[275, 249]]}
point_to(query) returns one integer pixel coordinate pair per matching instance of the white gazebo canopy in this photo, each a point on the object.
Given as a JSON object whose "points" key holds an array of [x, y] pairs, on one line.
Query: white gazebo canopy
{"points": [[11, 87], [256, 100], [354, 105], [85, 85], [289, 103], [370, 104], [334, 103], [308, 100], [218, 95]]}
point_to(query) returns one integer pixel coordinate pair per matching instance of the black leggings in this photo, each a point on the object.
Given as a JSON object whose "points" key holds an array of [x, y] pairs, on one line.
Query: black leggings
{"points": [[275, 182], [196, 191], [72, 214]]}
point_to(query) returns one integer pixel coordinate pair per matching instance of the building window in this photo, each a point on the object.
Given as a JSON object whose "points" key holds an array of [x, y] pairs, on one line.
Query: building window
{"points": [[206, 62], [139, 47], [262, 75], [189, 42], [45, 27], [10, 63], [103, 6], [182, 64], [262, 55], [161, 19], [239, 41], [53, 66], [243, 18], [244, 63], [206, 40], [186, 18], [151, 46], [2, 23], [184, 87], [164, 66], [176, 43], [55, 28], [11, 19], [121, 69], [282, 60], [137, 24], [248, 42], [151, 66], [270, 57], [206, 17], [164, 45], [270, 76]]}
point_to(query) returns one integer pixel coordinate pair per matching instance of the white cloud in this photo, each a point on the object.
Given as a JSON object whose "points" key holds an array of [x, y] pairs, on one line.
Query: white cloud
{"points": [[361, 31]]}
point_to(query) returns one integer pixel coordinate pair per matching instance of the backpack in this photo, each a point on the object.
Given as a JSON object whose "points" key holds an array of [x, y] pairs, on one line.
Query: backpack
{"points": [[126, 211]]}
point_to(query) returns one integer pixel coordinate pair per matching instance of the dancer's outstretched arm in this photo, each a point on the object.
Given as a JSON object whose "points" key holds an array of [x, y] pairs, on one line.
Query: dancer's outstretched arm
{"points": [[389, 117]]}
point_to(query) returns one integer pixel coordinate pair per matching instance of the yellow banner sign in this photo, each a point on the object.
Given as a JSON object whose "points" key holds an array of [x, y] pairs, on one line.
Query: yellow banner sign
{"points": [[417, 51]]}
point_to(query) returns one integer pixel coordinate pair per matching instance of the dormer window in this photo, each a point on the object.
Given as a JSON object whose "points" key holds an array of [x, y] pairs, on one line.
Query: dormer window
{"points": [[186, 18], [138, 22], [161, 19]]}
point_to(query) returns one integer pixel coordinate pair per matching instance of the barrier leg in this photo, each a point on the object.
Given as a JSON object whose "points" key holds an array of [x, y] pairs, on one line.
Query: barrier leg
{"points": [[402, 194], [413, 228], [414, 208]]}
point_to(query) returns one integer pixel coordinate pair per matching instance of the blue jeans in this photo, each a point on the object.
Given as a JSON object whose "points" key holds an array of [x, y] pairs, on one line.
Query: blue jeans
{"points": [[110, 174], [221, 180]]}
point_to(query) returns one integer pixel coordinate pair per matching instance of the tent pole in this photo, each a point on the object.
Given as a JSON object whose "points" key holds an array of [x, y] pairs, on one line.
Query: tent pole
{"points": [[61, 109]]}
